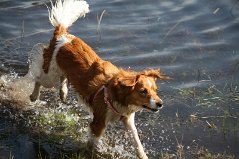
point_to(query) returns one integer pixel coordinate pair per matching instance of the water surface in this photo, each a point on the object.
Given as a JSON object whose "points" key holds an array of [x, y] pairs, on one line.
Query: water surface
{"points": [[195, 42]]}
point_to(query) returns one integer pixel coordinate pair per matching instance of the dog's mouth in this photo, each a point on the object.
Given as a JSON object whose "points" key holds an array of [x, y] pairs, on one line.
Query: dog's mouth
{"points": [[150, 109]]}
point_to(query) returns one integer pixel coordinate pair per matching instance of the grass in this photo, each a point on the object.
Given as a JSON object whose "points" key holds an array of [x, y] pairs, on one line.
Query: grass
{"points": [[61, 131], [99, 23], [59, 124], [219, 102], [194, 151], [211, 95], [216, 109]]}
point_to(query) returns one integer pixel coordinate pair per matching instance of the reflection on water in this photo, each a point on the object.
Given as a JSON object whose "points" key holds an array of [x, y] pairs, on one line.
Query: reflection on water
{"points": [[195, 42]]}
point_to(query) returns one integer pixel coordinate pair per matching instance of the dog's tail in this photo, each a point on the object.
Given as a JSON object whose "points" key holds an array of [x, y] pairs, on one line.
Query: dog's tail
{"points": [[66, 12]]}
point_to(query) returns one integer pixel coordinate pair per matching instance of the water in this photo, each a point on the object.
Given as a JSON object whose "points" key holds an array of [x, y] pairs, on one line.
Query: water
{"points": [[195, 42]]}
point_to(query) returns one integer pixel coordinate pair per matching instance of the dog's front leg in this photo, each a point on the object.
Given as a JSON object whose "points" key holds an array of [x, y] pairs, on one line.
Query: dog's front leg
{"points": [[97, 127], [63, 88], [130, 125], [36, 92]]}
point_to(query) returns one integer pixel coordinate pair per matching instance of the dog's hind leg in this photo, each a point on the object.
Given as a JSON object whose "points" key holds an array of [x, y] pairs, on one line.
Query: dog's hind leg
{"points": [[36, 92], [63, 88]]}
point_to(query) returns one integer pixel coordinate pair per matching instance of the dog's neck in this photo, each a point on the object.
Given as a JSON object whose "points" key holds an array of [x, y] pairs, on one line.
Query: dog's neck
{"points": [[107, 101]]}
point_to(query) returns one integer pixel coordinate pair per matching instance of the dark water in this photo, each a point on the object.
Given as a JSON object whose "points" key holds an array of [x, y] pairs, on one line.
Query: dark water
{"points": [[193, 41]]}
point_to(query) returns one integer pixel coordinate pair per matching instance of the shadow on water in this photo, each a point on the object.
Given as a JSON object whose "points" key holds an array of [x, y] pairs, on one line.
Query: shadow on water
{"points": [[195, 42]]}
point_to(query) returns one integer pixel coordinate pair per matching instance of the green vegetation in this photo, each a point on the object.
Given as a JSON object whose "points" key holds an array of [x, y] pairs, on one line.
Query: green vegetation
{"points": [[195, 151], [210, 96], [214, 106]]}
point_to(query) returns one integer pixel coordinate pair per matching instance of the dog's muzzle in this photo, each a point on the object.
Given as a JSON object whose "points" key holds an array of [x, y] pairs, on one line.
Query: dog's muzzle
{"points": [[159, 105], [154, 109]]}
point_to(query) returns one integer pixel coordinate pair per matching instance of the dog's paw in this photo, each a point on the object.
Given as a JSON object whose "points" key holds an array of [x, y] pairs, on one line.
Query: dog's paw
{"points": [[63, 96], [142, 155], [33, 98]]}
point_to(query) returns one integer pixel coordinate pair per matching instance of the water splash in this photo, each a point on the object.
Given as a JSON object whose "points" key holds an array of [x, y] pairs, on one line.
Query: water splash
{"points": [[49, 115], [35, 61]]}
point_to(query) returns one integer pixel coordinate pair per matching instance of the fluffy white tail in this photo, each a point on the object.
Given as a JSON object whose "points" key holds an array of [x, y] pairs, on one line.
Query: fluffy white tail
{"points": [[66, 12]]}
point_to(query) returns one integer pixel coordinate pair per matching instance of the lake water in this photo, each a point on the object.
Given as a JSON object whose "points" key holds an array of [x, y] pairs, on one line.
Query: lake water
{"points": [[193, 41]]}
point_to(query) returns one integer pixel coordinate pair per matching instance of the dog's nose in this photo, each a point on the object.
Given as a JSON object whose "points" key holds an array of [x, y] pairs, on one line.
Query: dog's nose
{"points": [[159, 104]]}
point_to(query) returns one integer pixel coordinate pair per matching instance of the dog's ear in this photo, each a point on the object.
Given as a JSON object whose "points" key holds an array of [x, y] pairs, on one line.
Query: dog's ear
{"points": [[126, 78], [128, 81], [155, 74]]}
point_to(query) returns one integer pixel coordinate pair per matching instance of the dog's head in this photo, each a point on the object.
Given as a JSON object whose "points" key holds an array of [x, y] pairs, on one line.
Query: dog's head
{"points": [[140, 89]]}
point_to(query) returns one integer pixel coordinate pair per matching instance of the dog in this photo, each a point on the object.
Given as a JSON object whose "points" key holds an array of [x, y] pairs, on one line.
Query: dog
{"points": [[111, 93]]}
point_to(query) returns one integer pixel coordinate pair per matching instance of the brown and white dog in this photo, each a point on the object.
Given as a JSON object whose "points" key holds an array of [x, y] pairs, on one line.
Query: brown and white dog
{"points": [[111, 93]]}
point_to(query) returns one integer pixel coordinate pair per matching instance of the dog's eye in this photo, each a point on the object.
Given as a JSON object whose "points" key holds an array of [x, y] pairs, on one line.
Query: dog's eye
{"points": [[143, 91]]}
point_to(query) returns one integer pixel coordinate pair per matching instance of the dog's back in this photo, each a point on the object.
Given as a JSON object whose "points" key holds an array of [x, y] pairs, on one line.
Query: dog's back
{"points": [[81, 63]]}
